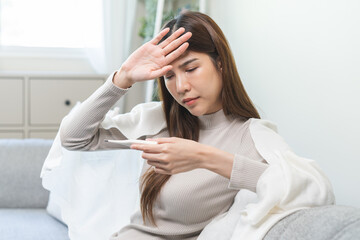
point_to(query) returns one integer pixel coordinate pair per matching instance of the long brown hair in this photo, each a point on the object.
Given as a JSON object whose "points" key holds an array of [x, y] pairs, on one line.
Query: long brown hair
{"points": [[208, 38]]}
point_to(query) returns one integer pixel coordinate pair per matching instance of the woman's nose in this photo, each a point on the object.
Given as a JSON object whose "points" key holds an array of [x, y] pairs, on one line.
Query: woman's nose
{"points": [[182, 84]]}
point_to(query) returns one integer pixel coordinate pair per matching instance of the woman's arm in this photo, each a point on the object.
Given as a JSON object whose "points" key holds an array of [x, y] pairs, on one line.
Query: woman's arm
{"points": [[80, 129], [175, 155]]}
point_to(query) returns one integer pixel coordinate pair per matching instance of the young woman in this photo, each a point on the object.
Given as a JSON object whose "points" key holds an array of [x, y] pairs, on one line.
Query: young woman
{"points": [[204, 153]]}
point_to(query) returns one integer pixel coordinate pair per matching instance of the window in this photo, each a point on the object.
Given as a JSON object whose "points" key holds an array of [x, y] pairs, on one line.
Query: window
{"points": [[70, 24]]}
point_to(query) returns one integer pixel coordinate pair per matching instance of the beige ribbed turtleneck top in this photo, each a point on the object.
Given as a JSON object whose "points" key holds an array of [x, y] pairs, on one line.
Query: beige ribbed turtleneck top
{"points": [[189, 200]]}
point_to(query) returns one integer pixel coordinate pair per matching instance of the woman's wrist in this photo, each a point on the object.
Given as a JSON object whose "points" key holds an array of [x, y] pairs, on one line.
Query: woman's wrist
{"points": [[120, 79], [217, 161]]}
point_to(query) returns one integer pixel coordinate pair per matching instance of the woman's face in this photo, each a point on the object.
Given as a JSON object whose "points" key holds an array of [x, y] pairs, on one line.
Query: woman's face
{"points": [[195, 83]]}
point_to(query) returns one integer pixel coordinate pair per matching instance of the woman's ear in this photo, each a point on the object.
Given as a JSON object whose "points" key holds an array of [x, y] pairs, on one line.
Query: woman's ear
{"points": [[218, 62]]}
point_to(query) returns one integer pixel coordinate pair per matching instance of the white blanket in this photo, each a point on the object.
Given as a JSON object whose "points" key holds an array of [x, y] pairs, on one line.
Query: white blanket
{"points": [[96, 187]]}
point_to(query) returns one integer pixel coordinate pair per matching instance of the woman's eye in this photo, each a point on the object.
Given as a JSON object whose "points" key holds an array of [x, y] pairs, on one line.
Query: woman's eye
{"points": [[168, 77], [191, 69]]}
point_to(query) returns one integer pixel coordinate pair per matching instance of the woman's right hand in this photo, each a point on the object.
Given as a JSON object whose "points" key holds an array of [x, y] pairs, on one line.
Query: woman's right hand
{"points": [[152, 60]]}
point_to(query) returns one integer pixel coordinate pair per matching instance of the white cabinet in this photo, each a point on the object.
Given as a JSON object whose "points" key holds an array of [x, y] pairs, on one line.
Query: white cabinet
{"points": [[50, 101], [33, 106], [11, 102], [11, 134]]}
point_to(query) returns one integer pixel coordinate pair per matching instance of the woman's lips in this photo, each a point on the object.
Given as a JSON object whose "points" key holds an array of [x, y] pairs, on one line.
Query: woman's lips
{"points": [[190, 101]]}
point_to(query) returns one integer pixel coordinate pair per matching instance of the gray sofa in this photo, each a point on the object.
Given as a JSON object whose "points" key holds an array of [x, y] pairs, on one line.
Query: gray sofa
{"points": [[23, 203], [23, 200]]}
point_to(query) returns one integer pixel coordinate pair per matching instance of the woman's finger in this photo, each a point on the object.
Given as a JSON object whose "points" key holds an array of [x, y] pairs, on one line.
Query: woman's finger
{"points": [[172, 37], [156, 164], [154, 148], [177, 53], [153, 157], [162, 171], [162, 140], [158, 38], [160, 72], [176, 43]]}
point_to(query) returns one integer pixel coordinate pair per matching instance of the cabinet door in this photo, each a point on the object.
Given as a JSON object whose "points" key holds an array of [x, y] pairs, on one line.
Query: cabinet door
{"points": [[51, 100], [11, 102], [12, 134]]}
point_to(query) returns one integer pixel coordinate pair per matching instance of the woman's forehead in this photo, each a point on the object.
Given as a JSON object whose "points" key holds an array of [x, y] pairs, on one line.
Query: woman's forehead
{"points": [[181, 57], [185, 57]]}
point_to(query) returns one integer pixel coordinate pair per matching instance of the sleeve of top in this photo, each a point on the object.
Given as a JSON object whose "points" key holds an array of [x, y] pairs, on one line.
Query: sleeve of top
{"points": [[80, 130], [248, 165], [246, 173]]}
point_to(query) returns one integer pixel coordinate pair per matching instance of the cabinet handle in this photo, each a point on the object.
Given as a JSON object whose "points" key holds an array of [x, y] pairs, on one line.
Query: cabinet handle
{"points": [[67, 102]]}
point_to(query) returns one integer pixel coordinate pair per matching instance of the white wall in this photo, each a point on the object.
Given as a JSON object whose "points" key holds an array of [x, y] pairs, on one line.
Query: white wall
{"points": [[121, 39], [300, 63], [45, 64]]}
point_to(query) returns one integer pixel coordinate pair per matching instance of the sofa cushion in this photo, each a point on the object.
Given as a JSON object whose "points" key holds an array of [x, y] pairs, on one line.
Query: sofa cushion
{"points": [[30, 224], [321, 223], [21, 161]]}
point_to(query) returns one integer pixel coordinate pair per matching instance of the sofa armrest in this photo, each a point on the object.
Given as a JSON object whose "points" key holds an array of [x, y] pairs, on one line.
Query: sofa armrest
{"points": [[326, 222], [21, 161]]}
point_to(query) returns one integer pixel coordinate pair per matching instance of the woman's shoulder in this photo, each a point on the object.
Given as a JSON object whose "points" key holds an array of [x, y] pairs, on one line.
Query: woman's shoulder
{"points": [[264, 124], [251, 124]]}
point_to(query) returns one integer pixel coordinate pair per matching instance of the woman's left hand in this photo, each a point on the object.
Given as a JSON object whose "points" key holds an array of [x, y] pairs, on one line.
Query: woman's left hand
{"points": [[172, 155]]}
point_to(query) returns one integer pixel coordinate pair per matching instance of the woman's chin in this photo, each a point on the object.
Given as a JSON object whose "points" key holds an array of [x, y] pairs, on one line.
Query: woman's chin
{"points": [[196, 111]]}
